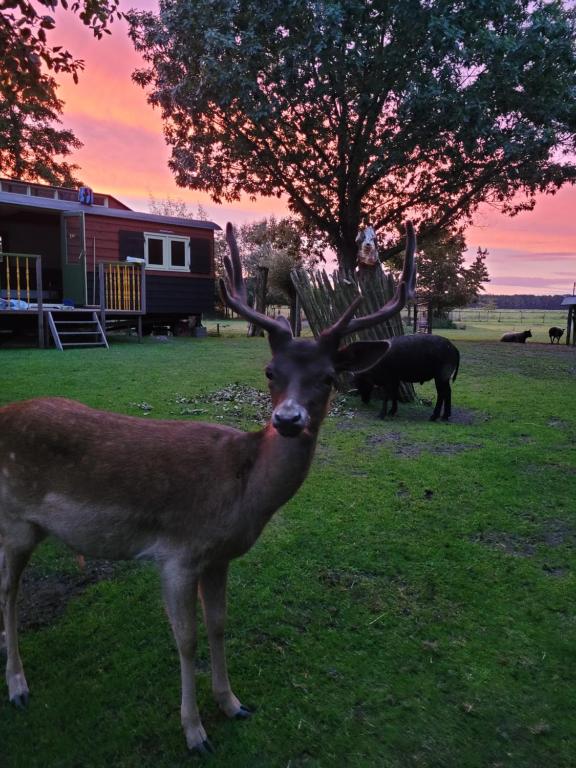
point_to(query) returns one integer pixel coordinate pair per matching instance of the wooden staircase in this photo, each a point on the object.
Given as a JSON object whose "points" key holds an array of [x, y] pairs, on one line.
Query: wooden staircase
{"points": [[76, 329]]}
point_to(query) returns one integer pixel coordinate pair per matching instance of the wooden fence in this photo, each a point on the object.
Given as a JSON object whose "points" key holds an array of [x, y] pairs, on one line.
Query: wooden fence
{"points": [[325, 298]]}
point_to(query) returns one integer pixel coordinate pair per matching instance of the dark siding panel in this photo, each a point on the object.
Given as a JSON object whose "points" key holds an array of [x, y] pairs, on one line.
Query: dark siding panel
{"points": [[103, 235], [174, 295], [131, 244], [200, 256]]}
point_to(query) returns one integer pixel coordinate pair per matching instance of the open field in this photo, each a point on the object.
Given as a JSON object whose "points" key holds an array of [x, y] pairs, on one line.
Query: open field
{"points": [[489, 325], [414, 606]]}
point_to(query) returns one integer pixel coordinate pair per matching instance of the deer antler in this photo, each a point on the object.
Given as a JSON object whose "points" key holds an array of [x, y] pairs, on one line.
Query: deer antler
{"points": [[233, 291], [345, 325]]}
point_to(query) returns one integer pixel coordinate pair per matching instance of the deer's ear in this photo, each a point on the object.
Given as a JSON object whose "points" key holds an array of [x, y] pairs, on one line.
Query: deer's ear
{"points": [[360, 355]]}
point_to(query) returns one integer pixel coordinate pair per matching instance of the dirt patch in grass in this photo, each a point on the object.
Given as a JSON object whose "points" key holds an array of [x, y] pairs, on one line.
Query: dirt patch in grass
{"points": [[468, 417], [43, 597], [352, 414], [552, 534], [549, 468], [406, 449], [558, 423]]}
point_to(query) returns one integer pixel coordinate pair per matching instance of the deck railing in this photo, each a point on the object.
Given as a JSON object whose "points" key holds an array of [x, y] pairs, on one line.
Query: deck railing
{"points": [[122, 287], [21, 282], [21, 277]]}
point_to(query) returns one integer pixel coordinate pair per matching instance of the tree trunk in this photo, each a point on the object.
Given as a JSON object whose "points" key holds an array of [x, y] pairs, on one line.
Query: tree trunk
{"points": [[260, 299], [347, 258]]}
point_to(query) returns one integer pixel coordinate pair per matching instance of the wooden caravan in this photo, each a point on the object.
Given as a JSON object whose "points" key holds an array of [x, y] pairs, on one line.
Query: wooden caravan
{"points": [[65, 252]]}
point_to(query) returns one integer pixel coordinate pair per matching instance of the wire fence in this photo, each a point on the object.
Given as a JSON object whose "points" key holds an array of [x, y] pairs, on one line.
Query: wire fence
{"points": [[511, 316]]}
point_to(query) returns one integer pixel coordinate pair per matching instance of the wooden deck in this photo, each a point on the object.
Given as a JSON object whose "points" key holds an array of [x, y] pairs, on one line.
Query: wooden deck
{"points": [[122, 293], [41, 314]]}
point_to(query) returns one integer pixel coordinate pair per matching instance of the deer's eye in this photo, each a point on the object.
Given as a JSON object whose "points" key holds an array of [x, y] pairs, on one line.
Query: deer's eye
{"points": [[269, 373]]}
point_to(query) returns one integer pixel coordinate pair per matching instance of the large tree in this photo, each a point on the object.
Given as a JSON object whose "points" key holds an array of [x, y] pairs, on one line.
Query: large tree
{"points": [[33, 146], [381, 108]]}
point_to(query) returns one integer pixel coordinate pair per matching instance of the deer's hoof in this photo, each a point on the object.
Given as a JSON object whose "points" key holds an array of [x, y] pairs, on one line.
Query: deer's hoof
{"points": [[204, 748], [20, 700], [243, 713]]}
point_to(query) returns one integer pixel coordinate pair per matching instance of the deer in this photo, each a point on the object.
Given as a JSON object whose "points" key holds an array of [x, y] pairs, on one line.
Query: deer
{"points": [[120, 487]]}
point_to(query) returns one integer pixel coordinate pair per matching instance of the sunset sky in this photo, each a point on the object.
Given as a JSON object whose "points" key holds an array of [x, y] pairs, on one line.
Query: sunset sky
{"points": [[124, 154]]}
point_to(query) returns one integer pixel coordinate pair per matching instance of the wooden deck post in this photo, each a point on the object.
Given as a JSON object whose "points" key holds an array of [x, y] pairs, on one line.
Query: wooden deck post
{"points": [[102, 295], [143, 290], [39, 302]]}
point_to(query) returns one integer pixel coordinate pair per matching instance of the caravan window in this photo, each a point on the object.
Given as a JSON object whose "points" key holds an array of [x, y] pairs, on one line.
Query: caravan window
{"points": [[167, 252]]}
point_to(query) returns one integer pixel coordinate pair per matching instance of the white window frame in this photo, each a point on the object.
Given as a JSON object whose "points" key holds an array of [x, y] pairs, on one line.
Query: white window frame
{"points": [[167, 240]]}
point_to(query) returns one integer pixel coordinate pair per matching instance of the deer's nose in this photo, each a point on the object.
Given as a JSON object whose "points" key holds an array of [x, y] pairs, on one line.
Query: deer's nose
{"points": [[290, 418]]}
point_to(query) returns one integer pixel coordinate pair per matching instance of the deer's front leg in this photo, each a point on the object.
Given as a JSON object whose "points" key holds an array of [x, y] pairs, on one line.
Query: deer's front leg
{"points": [[213, 594], [180, 589]]}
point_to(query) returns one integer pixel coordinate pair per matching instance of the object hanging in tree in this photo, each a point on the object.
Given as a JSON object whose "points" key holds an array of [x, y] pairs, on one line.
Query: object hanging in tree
{"points": [[367, 249]]}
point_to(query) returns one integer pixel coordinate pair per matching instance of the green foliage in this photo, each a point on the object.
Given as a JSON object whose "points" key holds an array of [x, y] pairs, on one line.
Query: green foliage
{"points": [[174, 206], [281, 245], [32, 146], [443, 278], [411, 607], [31, 141], [387, 109]]}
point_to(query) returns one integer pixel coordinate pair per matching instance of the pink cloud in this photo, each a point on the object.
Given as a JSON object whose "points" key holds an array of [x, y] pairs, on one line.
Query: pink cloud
{"points": [[125, 155]]}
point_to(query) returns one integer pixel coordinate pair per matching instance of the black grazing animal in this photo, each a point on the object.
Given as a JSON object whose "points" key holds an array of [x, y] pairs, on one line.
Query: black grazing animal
{"points": [[417, 358], [518, 338], [555, 333]]}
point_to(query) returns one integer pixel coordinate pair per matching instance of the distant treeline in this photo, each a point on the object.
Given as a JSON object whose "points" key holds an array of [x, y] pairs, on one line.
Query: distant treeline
{"points": [[517, 301]]}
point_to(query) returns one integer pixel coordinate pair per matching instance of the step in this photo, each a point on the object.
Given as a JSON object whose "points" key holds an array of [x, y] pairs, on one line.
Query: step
{"points": [[78, 333], [84, 344], [75, 322], [79, 327]]}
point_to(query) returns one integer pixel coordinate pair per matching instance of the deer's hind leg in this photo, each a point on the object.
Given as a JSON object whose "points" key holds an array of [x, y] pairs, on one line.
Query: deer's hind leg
{"points": [[2, 633], [15, 551]]}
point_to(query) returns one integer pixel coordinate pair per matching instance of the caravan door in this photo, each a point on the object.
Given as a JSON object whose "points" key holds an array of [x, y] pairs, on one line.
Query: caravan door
{"points": [[74, 258]]}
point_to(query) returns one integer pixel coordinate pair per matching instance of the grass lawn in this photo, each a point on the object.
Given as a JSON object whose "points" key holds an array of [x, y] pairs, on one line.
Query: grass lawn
{"points": [[414, 606]]}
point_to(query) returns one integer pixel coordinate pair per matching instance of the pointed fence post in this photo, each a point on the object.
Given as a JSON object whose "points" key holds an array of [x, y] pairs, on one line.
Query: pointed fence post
{"points": [[259, 299]]}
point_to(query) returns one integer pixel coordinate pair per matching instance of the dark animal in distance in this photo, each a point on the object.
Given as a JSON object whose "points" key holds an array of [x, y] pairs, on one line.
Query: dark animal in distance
{"points": [[518, 338], [555, 333], [417, 358], [187, 495]]}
